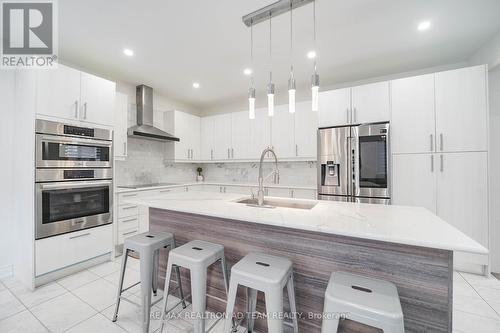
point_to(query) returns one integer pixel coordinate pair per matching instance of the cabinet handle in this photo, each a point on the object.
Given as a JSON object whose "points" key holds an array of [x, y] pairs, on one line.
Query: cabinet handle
{"points": [[129, 220], [432, 163], [355, 115], [130, 195], [292, 194], [164, 191], [432, 142], [228, 153], [232, 152], [211, 154], [85, 110], [441, 141], [129, 207], [188, 154], [442, 163], [224, 189], [82, 235], [296, 150], [130, 232], [76, 109], [124, 148], [347, 115]]}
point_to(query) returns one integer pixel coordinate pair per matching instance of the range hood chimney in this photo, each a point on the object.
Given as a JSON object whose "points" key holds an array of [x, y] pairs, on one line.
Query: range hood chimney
{"points": [[145, 128]]}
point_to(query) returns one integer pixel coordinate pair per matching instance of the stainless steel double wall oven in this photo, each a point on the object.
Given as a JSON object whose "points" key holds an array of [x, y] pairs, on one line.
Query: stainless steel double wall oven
{"points": [[353, 163], [74, 178]]}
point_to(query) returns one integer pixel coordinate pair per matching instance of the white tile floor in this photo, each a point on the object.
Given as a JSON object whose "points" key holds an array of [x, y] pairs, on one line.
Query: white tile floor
{"points": [[84, 302]]}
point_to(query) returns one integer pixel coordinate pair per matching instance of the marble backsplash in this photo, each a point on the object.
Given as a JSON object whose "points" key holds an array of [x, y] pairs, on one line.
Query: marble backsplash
{"points": [[147, 163]]}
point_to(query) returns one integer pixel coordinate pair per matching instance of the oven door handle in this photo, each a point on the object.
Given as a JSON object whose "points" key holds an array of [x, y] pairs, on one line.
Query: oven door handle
{"points": [[77, 140], [74, 185]]}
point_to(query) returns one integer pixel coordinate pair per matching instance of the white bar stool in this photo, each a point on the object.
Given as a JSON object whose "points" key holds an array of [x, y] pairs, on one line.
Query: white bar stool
{"points": [[196, 256], [365, 300], [148, 246], [269, 274]]}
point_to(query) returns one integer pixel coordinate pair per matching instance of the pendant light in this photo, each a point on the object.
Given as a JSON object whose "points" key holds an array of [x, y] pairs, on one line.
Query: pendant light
{"points": [[291, 80], [251, 90], [270, 85], [315, 76]]}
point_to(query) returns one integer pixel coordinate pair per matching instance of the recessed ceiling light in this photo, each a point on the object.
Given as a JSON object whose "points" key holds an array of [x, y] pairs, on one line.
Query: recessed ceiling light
{"points": [[424, 25], [311, 54], [247, 71], [196, 85], [128, 52]]}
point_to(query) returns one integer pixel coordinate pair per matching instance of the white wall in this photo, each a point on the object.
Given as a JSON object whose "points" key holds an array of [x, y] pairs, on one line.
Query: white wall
{"points": [[7, 225], [494, 93]]}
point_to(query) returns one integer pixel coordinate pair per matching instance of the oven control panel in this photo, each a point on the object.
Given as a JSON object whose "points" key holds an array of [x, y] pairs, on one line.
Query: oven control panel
{"points": [[80, 131]]}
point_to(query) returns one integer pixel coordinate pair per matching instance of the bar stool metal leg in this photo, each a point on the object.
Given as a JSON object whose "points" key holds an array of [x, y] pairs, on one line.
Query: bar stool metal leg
{"points": [[251, 308], [198, 297], [165, 296], [179, 284], [293, 307], [120, 283], [156, 264], [274, 308], [146, 263], [231, 299]]}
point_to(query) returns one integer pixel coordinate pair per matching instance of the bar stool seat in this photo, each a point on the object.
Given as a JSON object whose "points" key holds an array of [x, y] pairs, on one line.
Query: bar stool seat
{"points": [[366, 300], [268, 274], [196, 256], [148, 246]]}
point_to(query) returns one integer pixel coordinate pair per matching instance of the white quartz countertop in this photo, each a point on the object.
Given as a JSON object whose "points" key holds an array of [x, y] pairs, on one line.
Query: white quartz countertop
{"points": [[124, 190], [397, 224]]}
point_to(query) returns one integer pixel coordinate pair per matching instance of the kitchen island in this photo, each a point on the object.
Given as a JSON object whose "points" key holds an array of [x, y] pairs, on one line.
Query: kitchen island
{"points": [[408, 246]]}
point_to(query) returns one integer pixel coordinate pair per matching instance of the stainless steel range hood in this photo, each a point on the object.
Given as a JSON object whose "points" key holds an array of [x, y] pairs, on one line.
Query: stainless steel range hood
{"points": [[145, 128]]}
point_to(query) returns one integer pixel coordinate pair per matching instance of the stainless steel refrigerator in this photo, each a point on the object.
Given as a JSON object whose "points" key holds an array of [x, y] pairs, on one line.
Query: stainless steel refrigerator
{"points": [[353, 163]]}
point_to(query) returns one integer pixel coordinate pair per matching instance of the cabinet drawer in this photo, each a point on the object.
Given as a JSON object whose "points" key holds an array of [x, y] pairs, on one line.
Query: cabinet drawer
{"points": [[128, 223], [127, 233], [122, 197], [129, 210], [61, 251]]}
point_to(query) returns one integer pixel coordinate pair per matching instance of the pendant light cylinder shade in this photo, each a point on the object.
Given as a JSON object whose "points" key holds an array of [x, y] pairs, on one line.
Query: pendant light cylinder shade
{"points": [[270, 99], [291, 95], [251, 103], [315, 91]]}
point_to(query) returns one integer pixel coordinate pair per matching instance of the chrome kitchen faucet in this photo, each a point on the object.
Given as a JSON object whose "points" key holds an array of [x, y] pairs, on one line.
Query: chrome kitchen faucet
{"points": [[275, 173]]}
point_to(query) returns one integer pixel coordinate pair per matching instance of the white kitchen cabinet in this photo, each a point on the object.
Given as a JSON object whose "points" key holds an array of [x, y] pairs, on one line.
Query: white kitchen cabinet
{"points": [[414, 180], [413, 116], [334, 107], [120, 126], [58, 93], [306, 128], [240, 135], [278, 192], [207, 138], [260, 133], [187, 128], [462, 192], [283, 132], [370, 103], [222, 137], [303, 193], [97, 99], [61, 251], [461, 110], [69, 94]]}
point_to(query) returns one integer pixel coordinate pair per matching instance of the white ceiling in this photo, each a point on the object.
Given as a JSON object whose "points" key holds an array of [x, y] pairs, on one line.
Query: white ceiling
{"points": [[179, 42]]}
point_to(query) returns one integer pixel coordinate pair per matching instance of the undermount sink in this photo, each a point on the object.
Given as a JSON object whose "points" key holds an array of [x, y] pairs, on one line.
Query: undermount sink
{"points": [[273, 203]]}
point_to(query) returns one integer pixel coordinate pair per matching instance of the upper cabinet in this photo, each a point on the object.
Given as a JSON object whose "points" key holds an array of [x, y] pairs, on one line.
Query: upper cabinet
{"points": [[413, 124], [120, 126], [240, 135], [187, 128], [260, 133], [207, 138], [442, 112], [306, 129], [69, 94], [282, 132], [461, 110], [370, 103], [334, 107], [362, 104], [222, 137]]}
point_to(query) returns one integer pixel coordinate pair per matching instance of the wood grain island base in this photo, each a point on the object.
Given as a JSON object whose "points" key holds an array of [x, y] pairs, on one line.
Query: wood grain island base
{"points": [[423, 276]]}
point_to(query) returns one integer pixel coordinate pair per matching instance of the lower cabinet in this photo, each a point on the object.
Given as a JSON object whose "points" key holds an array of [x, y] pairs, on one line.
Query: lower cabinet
{"points": [[452, 185], [58, 252]]}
